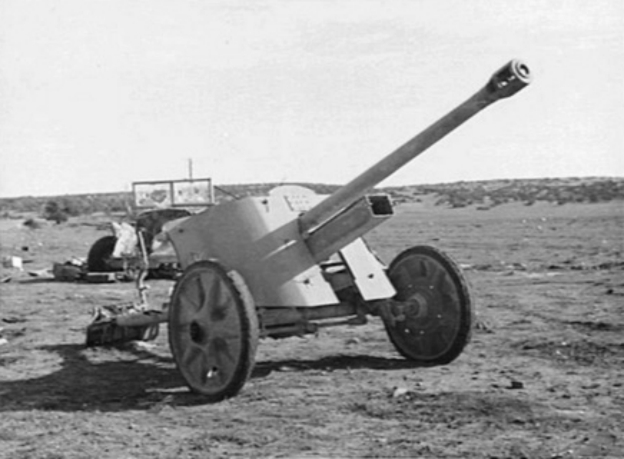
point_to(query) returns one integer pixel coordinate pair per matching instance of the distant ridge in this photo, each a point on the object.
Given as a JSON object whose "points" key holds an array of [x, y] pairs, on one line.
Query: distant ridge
{"points": [[527, 191], [486, 193]]}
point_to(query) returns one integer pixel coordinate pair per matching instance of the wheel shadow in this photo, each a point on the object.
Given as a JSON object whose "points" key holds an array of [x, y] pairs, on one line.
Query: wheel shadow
{"points": [[128, 378], [138, 381], [332, 363]]}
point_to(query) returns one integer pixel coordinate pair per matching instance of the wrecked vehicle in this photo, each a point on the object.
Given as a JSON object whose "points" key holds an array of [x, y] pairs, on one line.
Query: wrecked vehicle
{"points": [[158, 203]]}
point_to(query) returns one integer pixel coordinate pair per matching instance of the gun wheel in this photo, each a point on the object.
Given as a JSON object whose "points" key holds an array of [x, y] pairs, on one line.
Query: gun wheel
{"points": [[435, 320], [213, 330]]}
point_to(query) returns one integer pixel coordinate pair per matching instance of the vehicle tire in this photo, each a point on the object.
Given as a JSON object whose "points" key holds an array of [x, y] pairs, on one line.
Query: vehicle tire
{"points": [[213, 330], [98, 260], [436, 303]]}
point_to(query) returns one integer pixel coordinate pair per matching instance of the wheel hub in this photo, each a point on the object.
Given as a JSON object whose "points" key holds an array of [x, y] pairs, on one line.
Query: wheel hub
{"points": [[417, 306]]}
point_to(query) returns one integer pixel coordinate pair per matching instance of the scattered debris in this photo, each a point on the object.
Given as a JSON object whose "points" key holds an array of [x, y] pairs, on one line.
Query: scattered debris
{"points": [[140, 345], [482, 267], [580, 266], [77, 269], [13, 262], [100, 278], [164, 404], [13, 320], [116, 324], [518, 266], [400, 392], [483, 324], [68, 272], [72, 270], [286, 368], [40, 273], [32, 223]]}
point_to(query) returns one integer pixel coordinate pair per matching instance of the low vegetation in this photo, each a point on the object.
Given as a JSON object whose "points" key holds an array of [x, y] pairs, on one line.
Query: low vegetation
{"points": [[483, 194], [487, 194]]}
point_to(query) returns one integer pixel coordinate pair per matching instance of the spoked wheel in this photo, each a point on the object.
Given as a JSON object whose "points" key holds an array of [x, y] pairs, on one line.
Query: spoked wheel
{"points": [[436, 306], [213, 330]]}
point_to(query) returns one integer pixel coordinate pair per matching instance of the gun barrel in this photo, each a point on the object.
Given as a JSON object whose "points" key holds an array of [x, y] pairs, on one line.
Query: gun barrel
{"points": [[508, 80]]}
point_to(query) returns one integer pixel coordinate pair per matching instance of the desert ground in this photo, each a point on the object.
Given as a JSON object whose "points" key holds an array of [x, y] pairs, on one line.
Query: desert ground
{"points": [[543, 376]]}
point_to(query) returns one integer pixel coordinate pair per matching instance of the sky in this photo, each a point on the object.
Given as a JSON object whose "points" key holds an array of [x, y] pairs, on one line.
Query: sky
{"points": [[96, 94]]}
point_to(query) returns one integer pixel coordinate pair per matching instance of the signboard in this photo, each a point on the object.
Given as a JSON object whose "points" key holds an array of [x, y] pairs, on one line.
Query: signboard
{"points": [[172, 193]]}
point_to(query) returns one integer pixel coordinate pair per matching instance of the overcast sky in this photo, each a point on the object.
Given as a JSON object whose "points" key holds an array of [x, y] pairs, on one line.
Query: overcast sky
{"points": [[97, 94]]}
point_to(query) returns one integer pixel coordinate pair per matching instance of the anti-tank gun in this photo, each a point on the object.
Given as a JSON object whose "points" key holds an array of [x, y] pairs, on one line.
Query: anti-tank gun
{"points": [[291, 262]]}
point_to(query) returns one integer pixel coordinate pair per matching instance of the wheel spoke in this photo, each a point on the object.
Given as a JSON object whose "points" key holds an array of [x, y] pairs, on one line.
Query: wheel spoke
{"points": [[189, 304], [446, 334], [192, 356], [426, 343], [402, 277], [212, 349], [221, 303], [225, 353], [201, 282], [221, 325], [423, 267], [438, 309], [419, 343], [437, 277]]}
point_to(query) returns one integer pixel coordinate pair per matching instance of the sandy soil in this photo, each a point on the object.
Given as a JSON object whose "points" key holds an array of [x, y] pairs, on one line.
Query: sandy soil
{"points": [[542, 378]]}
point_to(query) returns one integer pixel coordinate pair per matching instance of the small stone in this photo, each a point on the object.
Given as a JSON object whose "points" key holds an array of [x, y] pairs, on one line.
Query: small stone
{"points": [[399, 392], [286, 368]]}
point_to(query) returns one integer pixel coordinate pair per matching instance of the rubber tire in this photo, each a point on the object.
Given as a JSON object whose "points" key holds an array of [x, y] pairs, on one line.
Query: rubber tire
{"points": [[400, 336], [208, 334], [100, 253]]}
